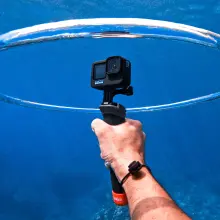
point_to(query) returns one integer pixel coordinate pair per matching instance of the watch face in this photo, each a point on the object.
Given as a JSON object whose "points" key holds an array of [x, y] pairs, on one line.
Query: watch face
{"points": [[134, 167]]}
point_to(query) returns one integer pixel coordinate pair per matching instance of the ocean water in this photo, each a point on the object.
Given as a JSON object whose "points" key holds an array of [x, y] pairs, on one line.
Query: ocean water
{"points": [[50, 166]]}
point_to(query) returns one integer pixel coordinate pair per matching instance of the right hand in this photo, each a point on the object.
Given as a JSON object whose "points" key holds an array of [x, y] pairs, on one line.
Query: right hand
{"points": [[121, 144]]}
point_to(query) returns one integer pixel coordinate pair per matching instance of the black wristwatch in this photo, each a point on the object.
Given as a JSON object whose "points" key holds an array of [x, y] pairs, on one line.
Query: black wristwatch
{"points": [[133, 169]]}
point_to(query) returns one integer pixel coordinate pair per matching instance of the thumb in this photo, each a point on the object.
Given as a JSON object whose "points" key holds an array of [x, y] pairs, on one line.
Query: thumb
{"points": [[98, 126]]}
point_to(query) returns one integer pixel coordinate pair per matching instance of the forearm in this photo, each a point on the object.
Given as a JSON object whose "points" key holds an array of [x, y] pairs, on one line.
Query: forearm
{"points": [[148, 200]]}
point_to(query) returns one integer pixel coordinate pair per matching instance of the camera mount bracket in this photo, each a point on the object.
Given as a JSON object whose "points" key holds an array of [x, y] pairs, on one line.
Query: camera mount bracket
{"points": [[110, 93], [111, 108]]}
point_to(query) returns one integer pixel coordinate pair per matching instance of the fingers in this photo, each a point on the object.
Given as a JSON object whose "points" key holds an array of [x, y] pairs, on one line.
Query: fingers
{"points": [[101, 128]]}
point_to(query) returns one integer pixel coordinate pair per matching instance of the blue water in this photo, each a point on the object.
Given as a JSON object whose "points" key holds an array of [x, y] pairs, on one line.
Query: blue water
{"points": [[40, 151]]}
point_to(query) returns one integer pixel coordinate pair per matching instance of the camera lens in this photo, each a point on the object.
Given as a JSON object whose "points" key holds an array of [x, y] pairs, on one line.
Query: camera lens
{"points": [[114, 65]]}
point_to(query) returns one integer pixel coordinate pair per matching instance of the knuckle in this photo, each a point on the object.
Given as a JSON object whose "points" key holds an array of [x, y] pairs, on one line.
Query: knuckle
{"points": [[134, 126], [94, 123], [144, 136], [137, 125], [102, 155]]}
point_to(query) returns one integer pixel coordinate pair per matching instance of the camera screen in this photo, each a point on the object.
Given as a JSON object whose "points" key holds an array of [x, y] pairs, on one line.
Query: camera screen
{"points": [[99, 71], [114, 65]]}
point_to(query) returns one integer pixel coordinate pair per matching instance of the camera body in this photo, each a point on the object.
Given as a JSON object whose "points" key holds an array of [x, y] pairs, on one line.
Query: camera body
{"points": [[112, 73]]}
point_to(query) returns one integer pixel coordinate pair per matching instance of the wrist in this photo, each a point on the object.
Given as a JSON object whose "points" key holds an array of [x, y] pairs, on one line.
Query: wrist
{"points": [[120, 166]]}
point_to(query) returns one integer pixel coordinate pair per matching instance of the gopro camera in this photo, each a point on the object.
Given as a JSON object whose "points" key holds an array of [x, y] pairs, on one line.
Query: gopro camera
{"points": [[112, 73]]}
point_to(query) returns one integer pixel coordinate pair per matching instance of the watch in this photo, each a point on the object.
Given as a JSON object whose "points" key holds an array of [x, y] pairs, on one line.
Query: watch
{"points": [[133, 170]]}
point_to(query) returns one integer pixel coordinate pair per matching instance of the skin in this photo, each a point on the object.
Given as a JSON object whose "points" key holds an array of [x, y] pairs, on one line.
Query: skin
{"points": [[122, 144]]}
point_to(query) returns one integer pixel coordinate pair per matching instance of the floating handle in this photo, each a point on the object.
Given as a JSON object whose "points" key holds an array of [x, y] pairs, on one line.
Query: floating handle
{"points": [[118, 194]]}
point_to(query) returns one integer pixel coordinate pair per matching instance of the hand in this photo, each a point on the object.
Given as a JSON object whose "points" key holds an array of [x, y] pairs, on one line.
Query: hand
{"points": [[120, 144]]}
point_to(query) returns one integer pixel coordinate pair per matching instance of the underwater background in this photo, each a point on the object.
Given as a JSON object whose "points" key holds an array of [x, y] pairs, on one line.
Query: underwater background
{"points": [[50, 166]]}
